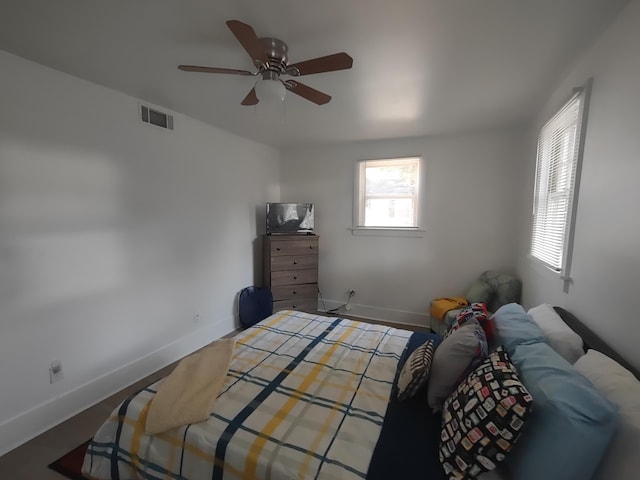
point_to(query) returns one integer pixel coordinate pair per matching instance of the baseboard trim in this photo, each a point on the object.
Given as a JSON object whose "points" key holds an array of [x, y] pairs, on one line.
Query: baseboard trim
{"points": [[400, 317], [29, 424]]}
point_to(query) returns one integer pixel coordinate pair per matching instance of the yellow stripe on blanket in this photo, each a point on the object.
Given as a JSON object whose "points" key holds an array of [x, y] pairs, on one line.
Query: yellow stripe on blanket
{"points": [[188, 394], [251, 463]]}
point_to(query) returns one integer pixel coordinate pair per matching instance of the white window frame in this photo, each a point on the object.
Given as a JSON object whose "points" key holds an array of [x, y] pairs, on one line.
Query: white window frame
{"points": [[359, 199], [557, 179]]}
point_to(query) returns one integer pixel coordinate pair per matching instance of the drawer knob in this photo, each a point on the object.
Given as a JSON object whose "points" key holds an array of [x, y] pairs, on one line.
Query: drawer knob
{"points": [[311, 247], [294, 305], [295, 278], [294, 292], [277, 249], [295, 262]]}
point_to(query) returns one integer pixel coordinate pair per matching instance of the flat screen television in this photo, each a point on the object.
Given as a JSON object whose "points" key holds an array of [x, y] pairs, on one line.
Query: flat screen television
{"points": [[289, 218]]}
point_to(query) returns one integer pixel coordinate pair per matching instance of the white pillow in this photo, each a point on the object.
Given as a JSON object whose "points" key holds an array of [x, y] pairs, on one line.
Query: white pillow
{"points": [[621, 460], [561, 338]]}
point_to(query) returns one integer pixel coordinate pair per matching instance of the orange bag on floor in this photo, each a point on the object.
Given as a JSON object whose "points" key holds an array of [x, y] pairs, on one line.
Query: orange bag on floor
{"points": [[440, 306]]}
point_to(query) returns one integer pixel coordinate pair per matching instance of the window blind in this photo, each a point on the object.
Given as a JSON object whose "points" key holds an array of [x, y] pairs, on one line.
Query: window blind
{"points": [[556, 166]]}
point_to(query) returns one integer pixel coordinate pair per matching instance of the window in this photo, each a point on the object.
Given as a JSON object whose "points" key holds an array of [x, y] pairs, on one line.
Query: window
{"points": [[557, 177], [386, 194]]}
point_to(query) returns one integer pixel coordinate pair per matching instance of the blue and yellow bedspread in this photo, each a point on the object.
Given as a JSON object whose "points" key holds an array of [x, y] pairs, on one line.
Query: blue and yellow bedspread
{"points": [[305, 397]]}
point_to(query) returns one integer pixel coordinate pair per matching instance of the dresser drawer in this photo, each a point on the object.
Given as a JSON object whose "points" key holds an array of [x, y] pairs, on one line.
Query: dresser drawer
{"points": [[291, 270], [294, 291], [294, 262], [293, 277], [298, 246], [304, 304]]}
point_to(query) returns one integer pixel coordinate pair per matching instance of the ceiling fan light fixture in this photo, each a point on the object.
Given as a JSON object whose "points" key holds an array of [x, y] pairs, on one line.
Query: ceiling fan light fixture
{"points": [[270, 57], [270, 90]]}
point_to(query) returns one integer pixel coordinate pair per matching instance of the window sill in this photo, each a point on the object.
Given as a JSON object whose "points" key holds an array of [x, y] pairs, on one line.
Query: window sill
{"points": [[543, 266], [387, 232]]}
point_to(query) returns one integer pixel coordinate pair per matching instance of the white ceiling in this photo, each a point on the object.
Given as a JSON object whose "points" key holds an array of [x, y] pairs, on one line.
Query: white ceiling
{"points": [[421, 67]]}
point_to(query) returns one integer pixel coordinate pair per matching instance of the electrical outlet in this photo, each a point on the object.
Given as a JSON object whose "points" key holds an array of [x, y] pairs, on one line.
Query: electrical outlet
{"points": [[196, 318], [55, 371], [350, 293]]}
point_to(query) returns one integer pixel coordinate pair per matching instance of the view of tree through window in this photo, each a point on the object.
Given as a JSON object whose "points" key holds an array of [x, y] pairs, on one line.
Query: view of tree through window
{"points": [[388, 193]]}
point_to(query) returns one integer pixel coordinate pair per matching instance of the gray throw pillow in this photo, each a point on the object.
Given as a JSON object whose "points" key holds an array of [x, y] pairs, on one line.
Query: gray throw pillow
{"points": [[455, 356]]}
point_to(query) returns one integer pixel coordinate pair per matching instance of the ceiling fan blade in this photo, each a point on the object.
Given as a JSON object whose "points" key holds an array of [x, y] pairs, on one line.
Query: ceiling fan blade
{"points": [[251, 98], [249, 40], [307, 92], [196, 68], [330, 63]]}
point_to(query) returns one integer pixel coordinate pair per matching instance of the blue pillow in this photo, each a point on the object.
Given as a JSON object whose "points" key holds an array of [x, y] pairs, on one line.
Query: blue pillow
{"points": [[571, 424], [514, 326]]}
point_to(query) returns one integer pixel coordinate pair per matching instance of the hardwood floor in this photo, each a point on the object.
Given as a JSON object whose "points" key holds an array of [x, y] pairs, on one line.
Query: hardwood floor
{"points": [[29, 461]]}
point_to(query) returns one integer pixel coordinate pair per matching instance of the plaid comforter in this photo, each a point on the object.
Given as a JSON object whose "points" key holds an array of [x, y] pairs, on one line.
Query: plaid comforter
{"points": [[305, 397]]}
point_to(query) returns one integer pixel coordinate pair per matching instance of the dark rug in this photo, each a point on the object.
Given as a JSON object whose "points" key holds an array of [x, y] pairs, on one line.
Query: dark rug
{"points": [[70, 464]]}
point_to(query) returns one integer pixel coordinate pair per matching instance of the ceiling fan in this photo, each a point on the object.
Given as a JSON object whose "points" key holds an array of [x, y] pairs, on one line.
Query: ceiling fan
{"points": [[269, 55]]}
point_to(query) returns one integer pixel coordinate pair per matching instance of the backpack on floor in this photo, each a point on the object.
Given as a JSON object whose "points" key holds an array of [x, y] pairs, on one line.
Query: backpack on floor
{"points": [[254, 304]]}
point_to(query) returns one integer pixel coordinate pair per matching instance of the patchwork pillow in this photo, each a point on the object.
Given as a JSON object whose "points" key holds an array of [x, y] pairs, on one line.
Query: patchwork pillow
{"points": [[483, 418], [415, 371], [474, 312], [453, 359]]}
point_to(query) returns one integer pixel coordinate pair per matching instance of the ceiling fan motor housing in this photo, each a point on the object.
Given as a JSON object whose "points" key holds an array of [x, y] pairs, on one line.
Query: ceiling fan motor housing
{"points": [[277, 52]]}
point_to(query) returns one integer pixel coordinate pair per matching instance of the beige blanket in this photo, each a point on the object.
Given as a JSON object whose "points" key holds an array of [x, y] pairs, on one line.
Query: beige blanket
{"points": [[188, 394]]}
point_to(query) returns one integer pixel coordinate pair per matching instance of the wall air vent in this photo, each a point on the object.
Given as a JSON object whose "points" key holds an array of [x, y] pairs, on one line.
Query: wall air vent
{"points": [[155, 117]]}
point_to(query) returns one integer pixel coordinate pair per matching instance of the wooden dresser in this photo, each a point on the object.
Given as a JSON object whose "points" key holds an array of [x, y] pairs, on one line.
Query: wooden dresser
{"points": [[291, 271]]}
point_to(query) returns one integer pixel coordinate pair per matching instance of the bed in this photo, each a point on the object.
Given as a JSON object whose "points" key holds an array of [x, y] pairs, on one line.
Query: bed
{"points": [[310, 396], [305, 397]]}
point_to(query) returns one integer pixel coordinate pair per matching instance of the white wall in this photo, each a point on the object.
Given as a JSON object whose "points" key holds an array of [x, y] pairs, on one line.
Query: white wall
{"points": [[606, 260], [113, 234], [470, 183]]}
